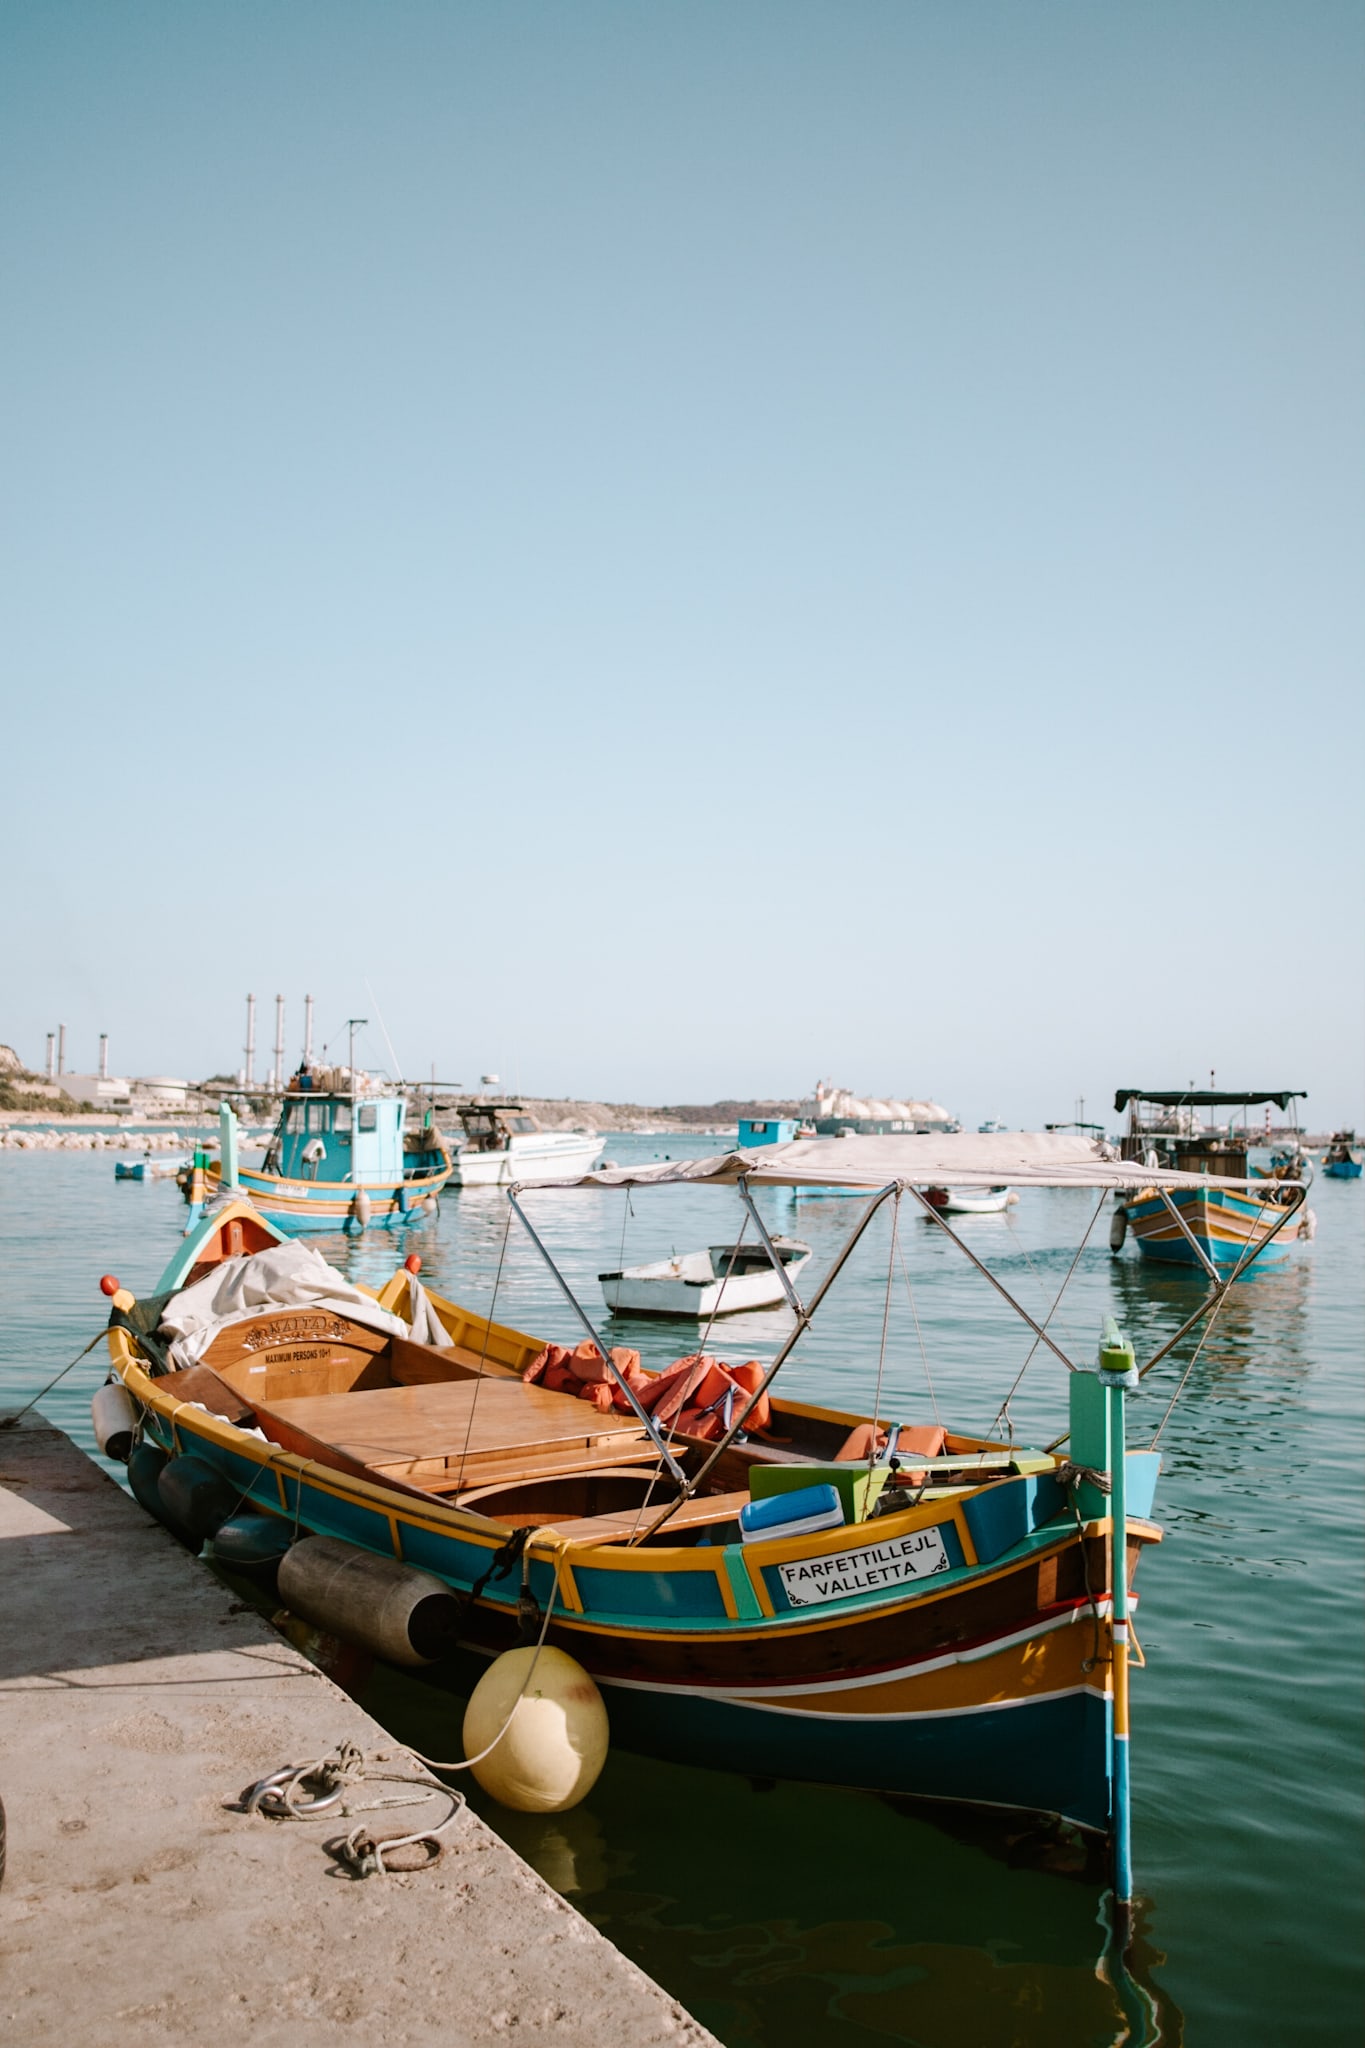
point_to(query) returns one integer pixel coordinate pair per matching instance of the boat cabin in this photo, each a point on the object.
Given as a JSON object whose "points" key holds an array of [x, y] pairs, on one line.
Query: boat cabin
{"points": [[336, 1137], [771, 1130], [490, 1125]]}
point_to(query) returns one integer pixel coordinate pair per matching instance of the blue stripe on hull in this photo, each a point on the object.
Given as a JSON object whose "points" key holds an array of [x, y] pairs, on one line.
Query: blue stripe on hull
{"points": [[325, 1211], [1175, 1252], [1047, 1756]]}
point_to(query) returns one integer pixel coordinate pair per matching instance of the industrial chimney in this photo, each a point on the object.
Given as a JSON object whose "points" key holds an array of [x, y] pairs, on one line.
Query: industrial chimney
{"points": [[51, 1054], [61, 1050], [308, 1031], [250, 1042], [277, 1077], [104, 1055]]}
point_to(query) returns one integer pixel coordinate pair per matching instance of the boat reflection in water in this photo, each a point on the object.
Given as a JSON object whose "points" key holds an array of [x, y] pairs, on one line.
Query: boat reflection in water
{"points": [[832, 1917]]}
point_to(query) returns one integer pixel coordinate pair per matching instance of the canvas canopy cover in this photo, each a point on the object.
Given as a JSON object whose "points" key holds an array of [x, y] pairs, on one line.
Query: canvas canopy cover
{"points": [[1209, 1098], [963, 1159]]}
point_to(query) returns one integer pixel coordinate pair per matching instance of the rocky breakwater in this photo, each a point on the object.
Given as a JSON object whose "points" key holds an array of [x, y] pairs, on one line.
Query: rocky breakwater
{"points": [[30, 1140]]}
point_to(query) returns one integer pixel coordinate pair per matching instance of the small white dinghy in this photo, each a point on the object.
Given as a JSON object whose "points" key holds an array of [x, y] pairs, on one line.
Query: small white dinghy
{"points": [[721, 1281], [970, 1201]]}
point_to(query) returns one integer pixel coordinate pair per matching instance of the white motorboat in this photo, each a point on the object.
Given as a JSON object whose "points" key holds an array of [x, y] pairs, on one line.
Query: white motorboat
{"points": [[721, 1281], [503, 1143], [970, 1201]]}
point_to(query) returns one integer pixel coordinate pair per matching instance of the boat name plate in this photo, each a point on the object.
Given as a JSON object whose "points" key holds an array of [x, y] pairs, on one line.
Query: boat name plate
{"points": [[917, 1555], [295, 1330]]}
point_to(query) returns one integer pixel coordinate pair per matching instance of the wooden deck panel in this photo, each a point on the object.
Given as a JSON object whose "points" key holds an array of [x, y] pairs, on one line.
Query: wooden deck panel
{"points": [[491, 1418]]}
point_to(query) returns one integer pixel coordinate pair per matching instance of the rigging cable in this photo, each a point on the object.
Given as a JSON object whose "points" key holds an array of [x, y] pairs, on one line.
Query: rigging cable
{"points": [[1002, 1412], [1203, 1339], [483, 1355], [924, 1355], [886, 1320]]}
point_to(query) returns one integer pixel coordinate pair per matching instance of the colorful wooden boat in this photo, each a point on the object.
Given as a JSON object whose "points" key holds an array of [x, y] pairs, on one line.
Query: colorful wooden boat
{"points": [[960, 1635], [339, 1159], [1340, 1160], [1214, 1226]]}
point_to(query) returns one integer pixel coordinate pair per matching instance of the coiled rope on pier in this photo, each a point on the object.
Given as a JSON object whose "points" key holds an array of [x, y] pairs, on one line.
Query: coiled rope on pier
{"points": [[313, 1790]]}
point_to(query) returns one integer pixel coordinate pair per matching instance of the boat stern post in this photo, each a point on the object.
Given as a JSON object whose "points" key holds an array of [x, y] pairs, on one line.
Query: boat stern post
{"points": [[1118, 1377], [227, 1145]]}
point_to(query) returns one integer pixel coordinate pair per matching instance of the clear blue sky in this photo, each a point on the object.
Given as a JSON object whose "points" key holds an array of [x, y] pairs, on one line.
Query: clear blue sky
{"points": [[689, 546]]}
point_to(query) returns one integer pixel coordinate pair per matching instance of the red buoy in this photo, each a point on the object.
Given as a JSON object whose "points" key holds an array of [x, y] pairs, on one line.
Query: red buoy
{"points": [[108, 1284], [413, 1262]]}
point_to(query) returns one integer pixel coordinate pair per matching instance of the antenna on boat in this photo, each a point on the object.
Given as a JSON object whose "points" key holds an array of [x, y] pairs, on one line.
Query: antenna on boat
{"points": [[351, 1023], [397, 1069]]}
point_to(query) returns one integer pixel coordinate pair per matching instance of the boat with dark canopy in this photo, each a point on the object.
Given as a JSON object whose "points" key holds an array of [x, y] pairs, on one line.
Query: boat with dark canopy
{"points": [[1213, 1225]]}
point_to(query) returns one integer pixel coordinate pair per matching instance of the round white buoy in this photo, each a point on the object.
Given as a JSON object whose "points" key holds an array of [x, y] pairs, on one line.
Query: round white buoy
{"points": [[360, 1210], [555, 1742], [1118, 1228]]}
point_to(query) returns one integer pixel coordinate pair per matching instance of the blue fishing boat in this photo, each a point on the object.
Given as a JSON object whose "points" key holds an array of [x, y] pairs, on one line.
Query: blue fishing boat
{"points": [[342, 1157], [1341, 1160], [131, 1169], [879, 1600], [1216, 1224]]}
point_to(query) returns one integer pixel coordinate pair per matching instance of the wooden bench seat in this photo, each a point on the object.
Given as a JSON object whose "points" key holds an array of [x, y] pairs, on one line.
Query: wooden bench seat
{"points": [[619, 1528]]}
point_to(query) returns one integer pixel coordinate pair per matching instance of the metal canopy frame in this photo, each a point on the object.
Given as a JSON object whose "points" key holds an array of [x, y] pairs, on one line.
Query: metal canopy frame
{"points": [[804, 1315]]}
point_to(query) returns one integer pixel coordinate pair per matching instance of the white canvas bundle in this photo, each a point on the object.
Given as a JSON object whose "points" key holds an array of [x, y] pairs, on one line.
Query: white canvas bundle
{"points": [[290, 1275]]}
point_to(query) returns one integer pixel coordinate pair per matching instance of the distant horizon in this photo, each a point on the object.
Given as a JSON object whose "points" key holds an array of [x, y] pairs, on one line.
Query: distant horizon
{"points": [[1087, 1109]]}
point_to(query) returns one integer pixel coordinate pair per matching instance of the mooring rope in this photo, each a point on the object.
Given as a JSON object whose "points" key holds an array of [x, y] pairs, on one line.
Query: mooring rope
{"points": [[12, 1421]]}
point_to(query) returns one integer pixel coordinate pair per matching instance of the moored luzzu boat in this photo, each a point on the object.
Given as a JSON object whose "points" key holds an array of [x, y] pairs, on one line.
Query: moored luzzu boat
{"points": [[777, 1587], [341, 1157], [1233, 1217]]}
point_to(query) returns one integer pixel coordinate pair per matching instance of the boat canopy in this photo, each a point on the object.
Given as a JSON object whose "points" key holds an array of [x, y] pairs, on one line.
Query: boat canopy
{"points": [[1047, 1159], [1210, 1098]]}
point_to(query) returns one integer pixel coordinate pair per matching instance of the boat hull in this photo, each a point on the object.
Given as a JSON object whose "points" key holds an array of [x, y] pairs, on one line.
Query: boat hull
{"points": [[695, 1301], [299, 1206], [1343, 1169], [500, 1169], [1224, 1222], [982, 1684], [1046, 1754]]}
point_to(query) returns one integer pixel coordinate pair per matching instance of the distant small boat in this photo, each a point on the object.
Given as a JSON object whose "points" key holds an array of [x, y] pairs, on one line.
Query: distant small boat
{"points": [[503, 1143], [970, 1201], [1340, 1159], [132, 1169], [768, 1130], [721, 1281]]}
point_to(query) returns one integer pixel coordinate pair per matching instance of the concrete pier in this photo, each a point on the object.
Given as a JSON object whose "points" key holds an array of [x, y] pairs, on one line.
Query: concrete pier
{"points": [[137, 1700]]}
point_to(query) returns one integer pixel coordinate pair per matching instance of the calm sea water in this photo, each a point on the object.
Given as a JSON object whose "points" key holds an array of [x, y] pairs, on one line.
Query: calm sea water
{"points": [[785, 1915]]}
